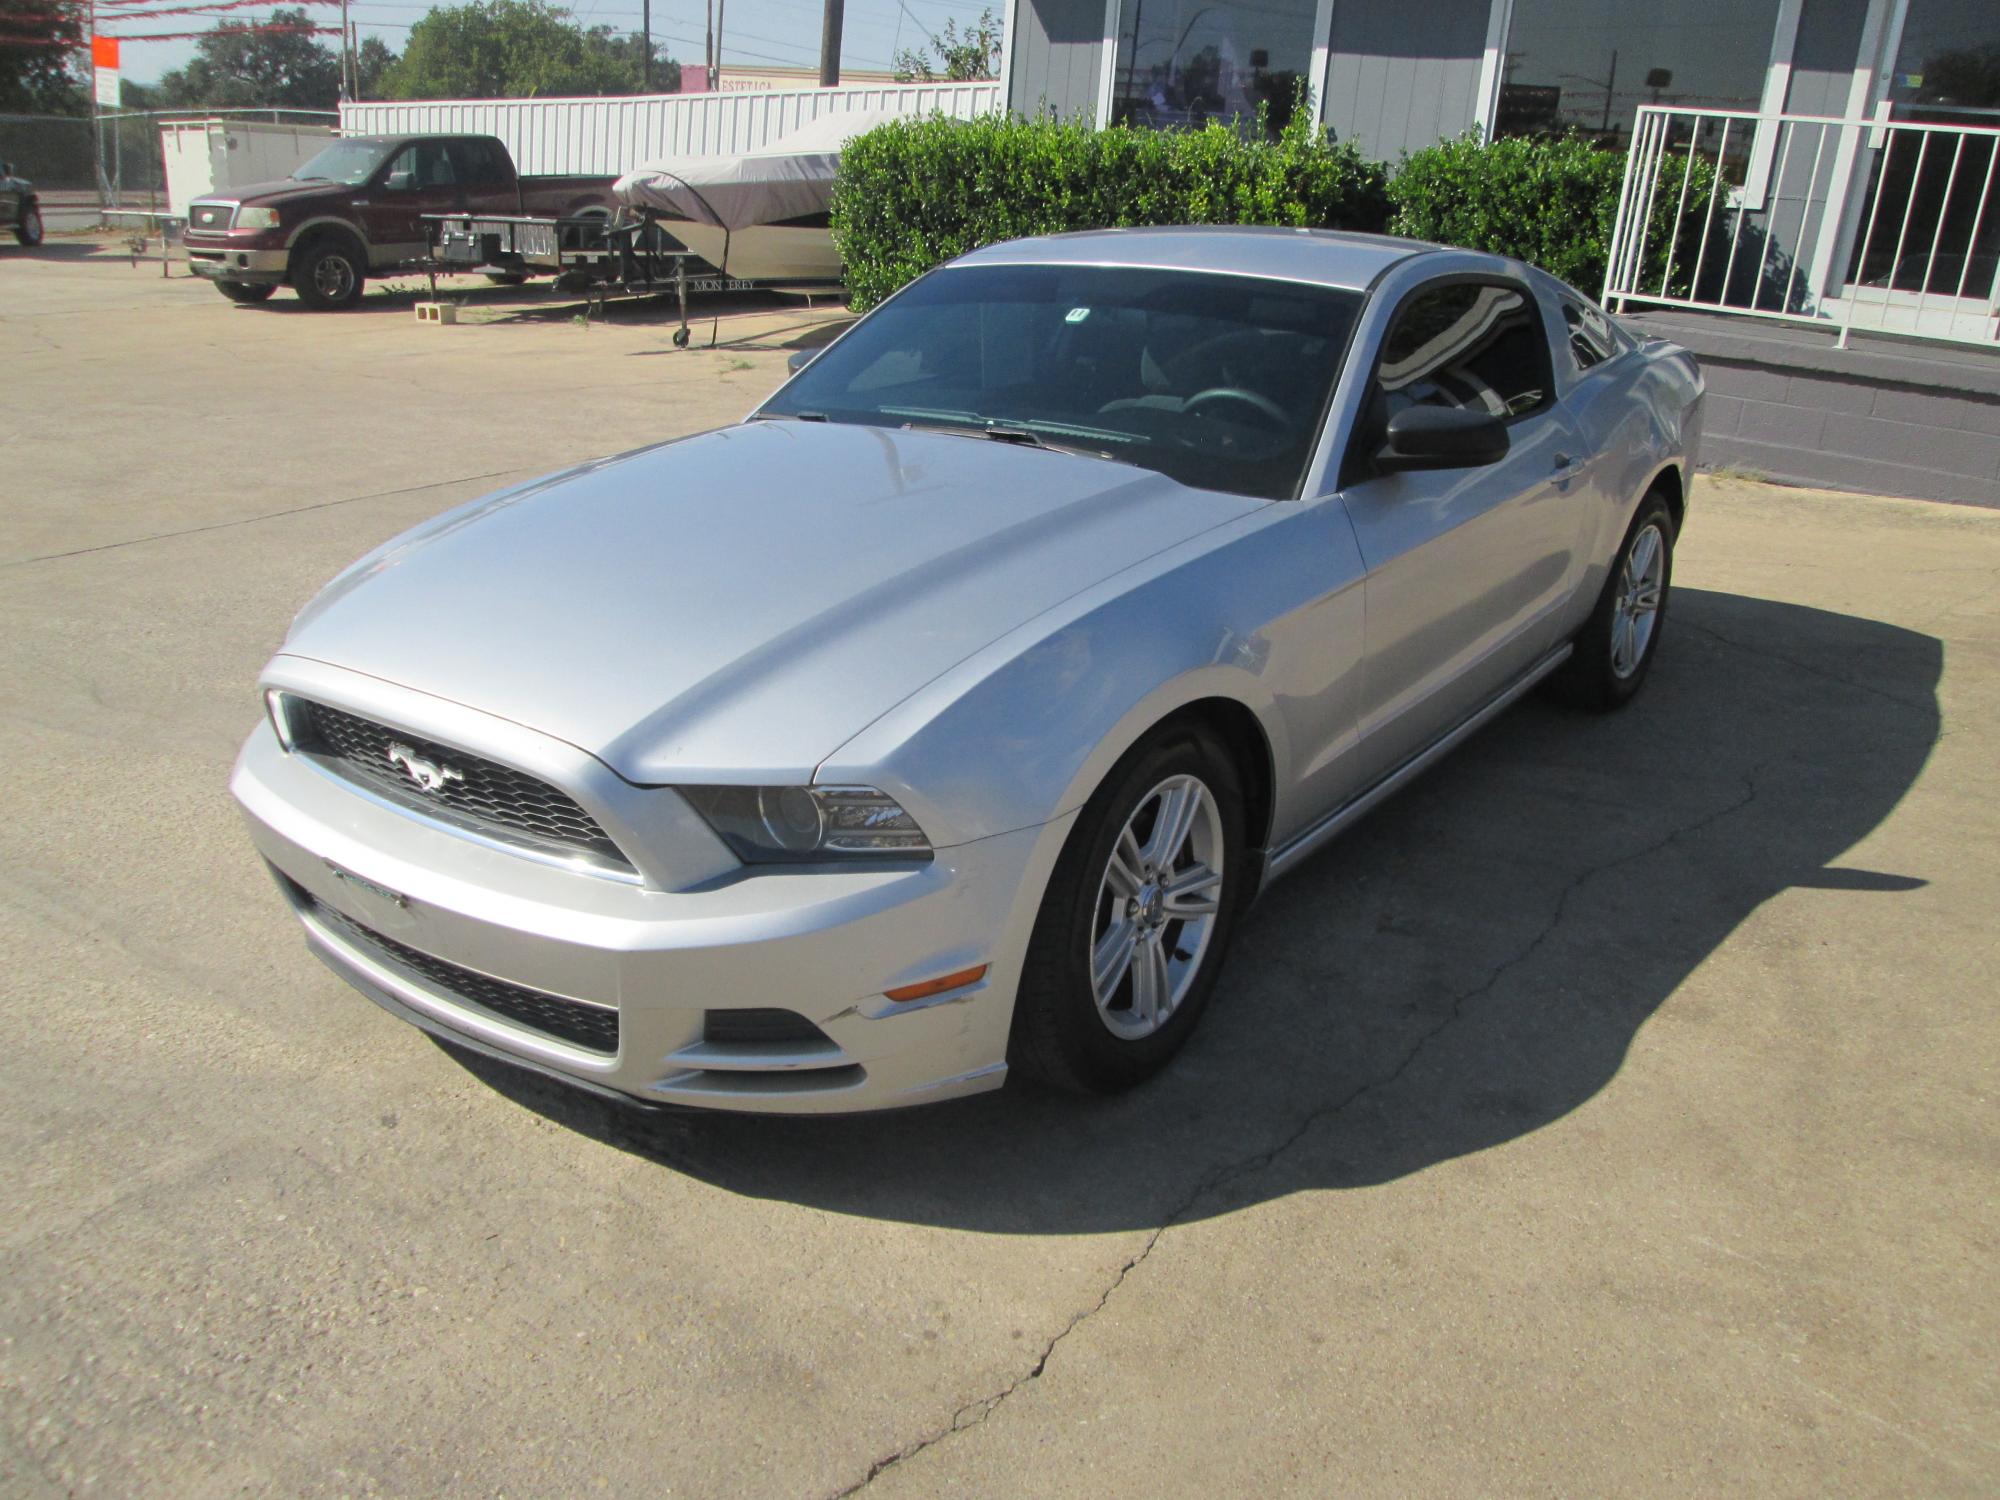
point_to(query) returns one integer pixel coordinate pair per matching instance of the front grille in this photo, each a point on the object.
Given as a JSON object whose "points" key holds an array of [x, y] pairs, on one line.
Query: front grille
{"points": [[480, 794], [591, 1027], [210, 215]]}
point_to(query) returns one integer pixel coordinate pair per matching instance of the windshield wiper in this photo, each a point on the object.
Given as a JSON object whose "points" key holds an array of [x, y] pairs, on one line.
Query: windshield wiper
{"points": [[1023, 437]]}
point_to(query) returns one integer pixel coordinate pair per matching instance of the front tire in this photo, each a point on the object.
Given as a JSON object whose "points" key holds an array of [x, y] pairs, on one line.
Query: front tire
{"points": [[1615, 649], [28, 227], [329, 275], [245, 292], [1136, 919]]}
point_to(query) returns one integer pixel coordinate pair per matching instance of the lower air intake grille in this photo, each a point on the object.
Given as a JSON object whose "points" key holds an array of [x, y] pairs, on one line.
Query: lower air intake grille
{"points": [[592, 1027], [739, 1027]]}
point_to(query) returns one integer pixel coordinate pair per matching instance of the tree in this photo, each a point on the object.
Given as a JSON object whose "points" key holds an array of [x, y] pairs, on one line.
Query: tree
{"points": [[372, 62], [970, 55], [238, 65], [40, 41], [515, 49]]}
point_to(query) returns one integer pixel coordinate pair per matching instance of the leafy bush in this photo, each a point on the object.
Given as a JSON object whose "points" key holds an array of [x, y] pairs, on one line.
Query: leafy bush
{"points": [[912, 194], [1552, 203]]}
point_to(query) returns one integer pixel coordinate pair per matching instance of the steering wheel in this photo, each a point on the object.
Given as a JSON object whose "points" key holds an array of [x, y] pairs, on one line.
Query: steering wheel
{"points": [[1253, 399]]}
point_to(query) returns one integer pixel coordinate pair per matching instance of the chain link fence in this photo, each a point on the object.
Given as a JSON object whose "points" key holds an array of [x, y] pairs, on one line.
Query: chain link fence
{"points": [[116, 158]]}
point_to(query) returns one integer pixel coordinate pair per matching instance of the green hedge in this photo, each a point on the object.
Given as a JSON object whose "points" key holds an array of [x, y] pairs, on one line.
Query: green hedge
{"points": [[1552, 203], [914, 193]]}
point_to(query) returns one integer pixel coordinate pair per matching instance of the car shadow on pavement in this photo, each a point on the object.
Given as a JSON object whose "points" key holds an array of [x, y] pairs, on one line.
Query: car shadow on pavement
{"points": [[1469, 965]]}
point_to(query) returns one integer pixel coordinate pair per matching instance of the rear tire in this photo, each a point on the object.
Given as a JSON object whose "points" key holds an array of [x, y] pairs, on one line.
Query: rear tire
{"points": [[1616, 647], [28, 227], [329, 274], [508, 278], [247, 293], [1136, 918]]}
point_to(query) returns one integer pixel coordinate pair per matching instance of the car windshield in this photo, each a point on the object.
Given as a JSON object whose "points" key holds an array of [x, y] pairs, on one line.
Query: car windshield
{"points": [[350, 162], [1219, 382]]}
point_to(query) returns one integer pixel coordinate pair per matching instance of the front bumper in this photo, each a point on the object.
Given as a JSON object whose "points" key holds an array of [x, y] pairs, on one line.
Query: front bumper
{"points": [[822, 944], [215, 257]]}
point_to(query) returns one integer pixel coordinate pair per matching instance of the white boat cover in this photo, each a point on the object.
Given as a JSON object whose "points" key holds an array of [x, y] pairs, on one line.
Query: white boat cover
{"points": [[790, 178]]}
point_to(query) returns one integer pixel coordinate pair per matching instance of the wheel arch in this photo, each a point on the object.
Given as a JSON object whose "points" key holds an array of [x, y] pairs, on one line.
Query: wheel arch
{"points": [[313, 231]]}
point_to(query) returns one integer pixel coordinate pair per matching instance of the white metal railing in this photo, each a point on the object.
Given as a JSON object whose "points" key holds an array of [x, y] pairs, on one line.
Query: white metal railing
{"points": [[610, 136], [1877, 224]]}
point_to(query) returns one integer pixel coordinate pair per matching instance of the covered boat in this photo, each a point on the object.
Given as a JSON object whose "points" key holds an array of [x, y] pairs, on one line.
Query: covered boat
{"points": [[758, 215]]}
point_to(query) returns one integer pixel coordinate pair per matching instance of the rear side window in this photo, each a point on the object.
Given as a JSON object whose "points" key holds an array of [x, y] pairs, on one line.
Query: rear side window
{"points": [[1591, 339], [1477, 345]]}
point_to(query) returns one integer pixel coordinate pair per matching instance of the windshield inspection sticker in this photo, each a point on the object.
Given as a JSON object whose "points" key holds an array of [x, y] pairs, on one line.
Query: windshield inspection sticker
{"points": [[1076, 315]]}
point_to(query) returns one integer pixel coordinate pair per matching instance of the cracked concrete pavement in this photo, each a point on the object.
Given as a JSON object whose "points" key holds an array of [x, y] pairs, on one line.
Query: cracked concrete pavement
{"points": [[1614, 1111]]}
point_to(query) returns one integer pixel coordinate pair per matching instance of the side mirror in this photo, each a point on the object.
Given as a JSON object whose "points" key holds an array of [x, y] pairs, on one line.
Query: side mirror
{"points": [[800, 359], [400, 182], [6, 169], [1441, 437]]}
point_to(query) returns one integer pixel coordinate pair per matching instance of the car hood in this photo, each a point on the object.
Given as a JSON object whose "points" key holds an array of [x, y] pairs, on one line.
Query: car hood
{"points": [[271, 194], [747, 600]]}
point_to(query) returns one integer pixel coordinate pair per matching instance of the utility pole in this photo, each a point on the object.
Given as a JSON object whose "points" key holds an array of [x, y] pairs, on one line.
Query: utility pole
{"points": [[829, 44], [708, 50], [347, 68], [646, 58], [715, 75]]}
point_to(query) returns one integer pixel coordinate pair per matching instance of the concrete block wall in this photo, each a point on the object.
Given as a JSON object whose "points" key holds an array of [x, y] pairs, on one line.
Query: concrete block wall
{"points": [[1883, 417]]}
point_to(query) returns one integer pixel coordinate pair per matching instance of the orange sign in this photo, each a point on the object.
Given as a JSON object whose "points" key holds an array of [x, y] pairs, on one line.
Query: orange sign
{"points": [[104, 59]]}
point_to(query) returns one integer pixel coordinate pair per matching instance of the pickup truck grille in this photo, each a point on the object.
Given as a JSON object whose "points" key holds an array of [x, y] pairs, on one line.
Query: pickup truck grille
{"points": [[210, 215], [475, 793], [591, 1027]]}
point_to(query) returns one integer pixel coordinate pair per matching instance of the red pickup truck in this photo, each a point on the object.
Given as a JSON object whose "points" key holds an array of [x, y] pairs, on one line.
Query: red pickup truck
{"points": [[356, 210]]}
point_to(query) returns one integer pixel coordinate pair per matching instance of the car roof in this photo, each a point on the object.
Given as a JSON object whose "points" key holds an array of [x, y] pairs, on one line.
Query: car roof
{"points": [[1326, 257]]}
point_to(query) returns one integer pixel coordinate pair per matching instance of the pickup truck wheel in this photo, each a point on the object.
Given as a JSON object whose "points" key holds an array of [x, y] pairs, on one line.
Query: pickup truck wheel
{"points": [[508, 278], [328, 276], [28, 228], [244, 292]]}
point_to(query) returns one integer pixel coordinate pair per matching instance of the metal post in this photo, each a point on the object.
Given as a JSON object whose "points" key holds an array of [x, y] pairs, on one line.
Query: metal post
{"points": [[829, 44]]}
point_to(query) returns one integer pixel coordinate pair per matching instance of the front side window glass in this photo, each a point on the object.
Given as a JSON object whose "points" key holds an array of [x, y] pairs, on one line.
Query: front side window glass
{"points": [[1220, 382], [1472, 345], [1187, 62], [1589, 64]]}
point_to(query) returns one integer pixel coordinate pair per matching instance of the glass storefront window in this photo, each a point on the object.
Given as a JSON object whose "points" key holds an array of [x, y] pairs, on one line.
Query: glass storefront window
{"points": [[1589, 64], [1947, 72], [1186, 62]]}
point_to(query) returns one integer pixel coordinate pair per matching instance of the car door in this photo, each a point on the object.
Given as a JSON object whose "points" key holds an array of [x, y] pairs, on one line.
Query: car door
{"points": [[489, 181], [419, 179], [1467, 568]]}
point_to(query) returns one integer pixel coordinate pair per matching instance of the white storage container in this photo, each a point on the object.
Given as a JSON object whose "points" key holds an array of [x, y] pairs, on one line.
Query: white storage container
{"points": [[212, 156]]}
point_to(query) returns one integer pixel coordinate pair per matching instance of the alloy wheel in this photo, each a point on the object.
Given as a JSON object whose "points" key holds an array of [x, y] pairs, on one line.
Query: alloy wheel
{"points": [[1636, 609], [1157, 904], [333, 277]]}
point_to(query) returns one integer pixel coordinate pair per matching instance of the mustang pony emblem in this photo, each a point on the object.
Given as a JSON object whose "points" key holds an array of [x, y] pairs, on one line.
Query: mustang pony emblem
{"points": [[427, 774]]}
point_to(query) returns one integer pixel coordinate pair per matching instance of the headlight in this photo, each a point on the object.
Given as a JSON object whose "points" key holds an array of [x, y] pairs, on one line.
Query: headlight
{"points": [[800, 824], [256, 218]]}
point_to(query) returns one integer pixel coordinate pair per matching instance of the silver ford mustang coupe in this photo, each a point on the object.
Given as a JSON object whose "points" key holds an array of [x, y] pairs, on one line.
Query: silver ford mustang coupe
{"points": [[942, 718]]}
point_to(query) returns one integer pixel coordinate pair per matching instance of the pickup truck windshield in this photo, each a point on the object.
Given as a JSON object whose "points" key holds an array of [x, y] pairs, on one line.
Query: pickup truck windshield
{"points": [[1219, 382], [348, 162]]}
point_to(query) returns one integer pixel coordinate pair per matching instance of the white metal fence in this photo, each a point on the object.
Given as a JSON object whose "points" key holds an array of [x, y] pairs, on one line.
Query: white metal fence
{"points": [[602, 136], [1884, 224]]}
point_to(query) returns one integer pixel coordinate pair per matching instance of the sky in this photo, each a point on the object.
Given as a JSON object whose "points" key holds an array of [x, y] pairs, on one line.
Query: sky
{"points": [[756, 33]]}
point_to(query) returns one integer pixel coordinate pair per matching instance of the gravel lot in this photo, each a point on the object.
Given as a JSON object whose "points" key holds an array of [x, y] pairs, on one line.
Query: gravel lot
{"points": [[1614, 1112]]}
